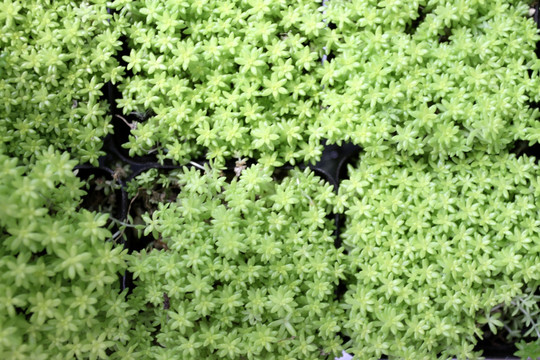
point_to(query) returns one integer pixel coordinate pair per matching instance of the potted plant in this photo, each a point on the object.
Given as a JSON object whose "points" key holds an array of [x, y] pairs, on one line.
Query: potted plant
{"points": [[436, 249], [59, 290], [239, 268], [55, 59], [222, 80]]}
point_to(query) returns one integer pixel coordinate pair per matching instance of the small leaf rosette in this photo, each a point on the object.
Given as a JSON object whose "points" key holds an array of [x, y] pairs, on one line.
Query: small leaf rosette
{"points": [[250, 269]]}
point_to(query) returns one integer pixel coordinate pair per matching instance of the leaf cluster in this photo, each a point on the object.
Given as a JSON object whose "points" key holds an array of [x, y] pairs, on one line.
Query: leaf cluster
{"points": [[55, 57], [233, 78], [434, 247], [250, 269], [59, 291]]}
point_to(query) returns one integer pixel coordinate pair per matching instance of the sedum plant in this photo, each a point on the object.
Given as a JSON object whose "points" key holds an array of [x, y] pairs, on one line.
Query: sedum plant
{"points": [[55, 57], [431, 77], [528, 350], [223, 79], [59, 291], [520, 320], [248, 270], [441, 237], [435, 248]]}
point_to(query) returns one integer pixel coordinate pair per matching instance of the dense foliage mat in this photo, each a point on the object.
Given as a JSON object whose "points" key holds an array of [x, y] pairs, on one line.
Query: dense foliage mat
{"points": [[223, 79], [434, 76], [434, 247], [248, 269], [55, 57], [441, 239], [59, 291]]}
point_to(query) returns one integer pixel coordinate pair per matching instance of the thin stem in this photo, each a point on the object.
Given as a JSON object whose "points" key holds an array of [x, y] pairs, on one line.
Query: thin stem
{"points": [[121, 222], [118, 234], [303, 193], [529, 319], [510, 331], [198, 166], [132, 125]]}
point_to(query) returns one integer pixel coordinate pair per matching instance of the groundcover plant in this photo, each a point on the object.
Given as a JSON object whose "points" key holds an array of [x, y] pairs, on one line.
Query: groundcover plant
{"points": [[223, 79], [441, 232], [435, 249], [439, 77], [248, 269], [60, 296], [55, 56]]}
